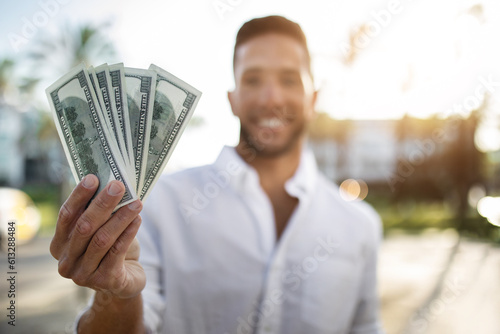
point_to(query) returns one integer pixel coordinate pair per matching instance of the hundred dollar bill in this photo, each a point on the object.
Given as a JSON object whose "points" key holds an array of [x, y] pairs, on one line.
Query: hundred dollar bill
{"points": [[86, 141], [140, 88], [93, 80], [107, 117], [173, 107], [117, 75], [102, 81]]}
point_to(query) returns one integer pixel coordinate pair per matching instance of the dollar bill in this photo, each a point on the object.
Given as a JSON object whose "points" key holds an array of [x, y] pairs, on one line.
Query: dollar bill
{"points": [[112, 117], [106, 113], [117, 75], [93, 80], [174, 104], [140, 88], [88, 145]]}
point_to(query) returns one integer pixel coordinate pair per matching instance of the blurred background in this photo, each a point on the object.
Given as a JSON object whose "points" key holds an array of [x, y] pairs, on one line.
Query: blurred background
{"points": [[408, 119]]}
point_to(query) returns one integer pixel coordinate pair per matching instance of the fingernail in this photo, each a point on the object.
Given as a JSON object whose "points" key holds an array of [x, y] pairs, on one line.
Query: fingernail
{"points": [[114, 189], [134, 205], [88, 182]]}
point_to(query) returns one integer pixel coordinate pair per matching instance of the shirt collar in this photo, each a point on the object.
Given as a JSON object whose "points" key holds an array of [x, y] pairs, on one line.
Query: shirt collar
{"points": [[241, 175], [303, 182]]}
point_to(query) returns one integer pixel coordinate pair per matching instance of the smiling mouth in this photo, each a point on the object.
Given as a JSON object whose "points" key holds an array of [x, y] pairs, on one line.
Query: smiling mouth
{"points": [[271, 123]]}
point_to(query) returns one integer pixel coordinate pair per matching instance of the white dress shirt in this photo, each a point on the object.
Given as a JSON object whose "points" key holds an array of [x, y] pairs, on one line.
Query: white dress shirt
{"points": [[213, 265]]}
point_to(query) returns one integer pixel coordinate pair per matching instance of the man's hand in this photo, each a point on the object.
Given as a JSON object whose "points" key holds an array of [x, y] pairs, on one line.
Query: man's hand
{"points": [[95, 248]]}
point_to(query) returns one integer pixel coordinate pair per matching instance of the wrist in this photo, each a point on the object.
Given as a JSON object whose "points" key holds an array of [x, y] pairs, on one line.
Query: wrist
{"points": [[112, 314], [105, 299]]}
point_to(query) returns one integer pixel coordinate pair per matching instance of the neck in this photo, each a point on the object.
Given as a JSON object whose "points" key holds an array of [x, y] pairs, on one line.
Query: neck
{"points": [[273, 170]]}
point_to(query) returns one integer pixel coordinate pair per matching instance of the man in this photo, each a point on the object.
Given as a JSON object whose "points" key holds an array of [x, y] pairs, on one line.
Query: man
{"points": [[258, 242]]}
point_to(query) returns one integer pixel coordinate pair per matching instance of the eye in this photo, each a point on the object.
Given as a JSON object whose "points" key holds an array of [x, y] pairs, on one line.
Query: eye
{"points": [[290, 80], [251, 80]]}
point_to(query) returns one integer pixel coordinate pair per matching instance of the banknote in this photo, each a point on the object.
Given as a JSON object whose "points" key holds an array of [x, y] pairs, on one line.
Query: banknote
{"points": [[89, 146], [140, 89], [106, 113], [93, 80], [116, 72], [111, 115], [173, 107]]}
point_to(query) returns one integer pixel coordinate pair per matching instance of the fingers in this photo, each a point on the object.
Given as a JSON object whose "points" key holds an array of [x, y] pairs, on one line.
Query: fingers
{"points": [[97, 213], [113, 237], [112, 267], [71, 210], [92, 244], [105, 269], [127, 246]]}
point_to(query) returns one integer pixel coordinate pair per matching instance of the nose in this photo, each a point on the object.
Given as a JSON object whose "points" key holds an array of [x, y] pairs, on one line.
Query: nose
{"points": [[272, 95]]}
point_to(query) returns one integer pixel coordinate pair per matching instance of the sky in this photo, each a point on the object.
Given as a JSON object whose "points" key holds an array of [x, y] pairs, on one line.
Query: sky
{"points": [[417, 57]]}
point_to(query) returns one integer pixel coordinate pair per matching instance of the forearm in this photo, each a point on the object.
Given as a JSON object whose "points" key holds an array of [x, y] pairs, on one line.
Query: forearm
{"points": [[113, 315]]}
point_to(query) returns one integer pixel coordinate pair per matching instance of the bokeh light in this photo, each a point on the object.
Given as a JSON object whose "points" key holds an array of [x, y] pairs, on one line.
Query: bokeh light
{"points": [[489, 208], [353, 190], [17, 206], [476, 192]]}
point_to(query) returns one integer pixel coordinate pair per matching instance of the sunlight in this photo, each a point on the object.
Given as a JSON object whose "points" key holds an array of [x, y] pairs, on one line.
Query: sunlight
{"points": [[488, 139], [489, 207]]}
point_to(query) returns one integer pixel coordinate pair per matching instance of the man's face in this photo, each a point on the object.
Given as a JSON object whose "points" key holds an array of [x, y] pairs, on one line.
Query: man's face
{"points": [[274, 95]]}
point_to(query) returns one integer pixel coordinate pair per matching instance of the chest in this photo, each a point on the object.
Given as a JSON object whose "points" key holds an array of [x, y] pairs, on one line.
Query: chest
{"points": [[221, 264], [283, 207]]}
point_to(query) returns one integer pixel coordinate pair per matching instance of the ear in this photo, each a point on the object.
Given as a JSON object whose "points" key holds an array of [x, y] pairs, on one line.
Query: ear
{"points": [[314, 99], [231, 96], [312, 107]]}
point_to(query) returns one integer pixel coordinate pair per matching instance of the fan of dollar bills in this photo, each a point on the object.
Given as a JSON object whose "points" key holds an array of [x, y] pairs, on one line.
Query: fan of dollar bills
{"points": [[121, 123]]}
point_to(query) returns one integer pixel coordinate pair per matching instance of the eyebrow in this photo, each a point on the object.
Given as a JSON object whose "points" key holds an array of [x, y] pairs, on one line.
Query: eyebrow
{"points": [[281, 71]]}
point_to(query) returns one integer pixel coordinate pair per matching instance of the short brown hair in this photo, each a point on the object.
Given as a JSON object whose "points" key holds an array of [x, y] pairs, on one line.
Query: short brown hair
{"points": [[271, 24]]}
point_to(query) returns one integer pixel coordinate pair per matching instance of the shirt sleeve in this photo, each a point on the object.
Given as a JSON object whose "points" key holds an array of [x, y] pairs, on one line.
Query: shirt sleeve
{"points": [[150, 259], [367, 317]]}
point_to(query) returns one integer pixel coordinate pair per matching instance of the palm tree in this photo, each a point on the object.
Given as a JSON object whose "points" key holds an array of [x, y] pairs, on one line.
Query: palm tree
{"points": [[51, 57], [56, 54], [6, 69]]}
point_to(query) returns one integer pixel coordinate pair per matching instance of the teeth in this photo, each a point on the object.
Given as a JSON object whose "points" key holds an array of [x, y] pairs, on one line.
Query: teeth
{"points": [[272, 123]]}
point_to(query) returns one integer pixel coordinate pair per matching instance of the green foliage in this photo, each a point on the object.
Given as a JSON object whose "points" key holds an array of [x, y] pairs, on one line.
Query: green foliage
{"points": [[69, 46], [413, 215], [450, 168], [6, 69]]}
